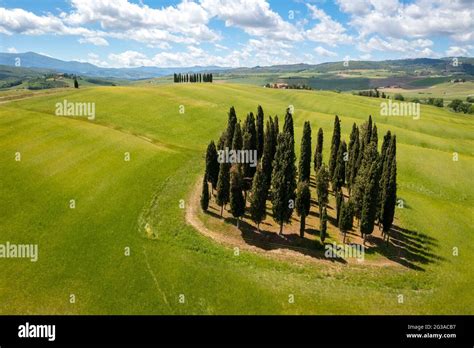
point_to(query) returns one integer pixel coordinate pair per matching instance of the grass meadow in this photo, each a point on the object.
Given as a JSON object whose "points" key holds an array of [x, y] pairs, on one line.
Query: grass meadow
{"points": [[82, 250]]}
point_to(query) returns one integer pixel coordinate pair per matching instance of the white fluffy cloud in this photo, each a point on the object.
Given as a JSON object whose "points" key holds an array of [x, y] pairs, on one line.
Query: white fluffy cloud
{"points": [[327, 31], [413, 48], [97, 41], [422, 18], [324, 52], [456, 51]]}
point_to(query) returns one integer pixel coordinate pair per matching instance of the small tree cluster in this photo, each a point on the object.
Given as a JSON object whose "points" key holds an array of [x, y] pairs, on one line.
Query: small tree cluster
{"points": [[192, 78]]}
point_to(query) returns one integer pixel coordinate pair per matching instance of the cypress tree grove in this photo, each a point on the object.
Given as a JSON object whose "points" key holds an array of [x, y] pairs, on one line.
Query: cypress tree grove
{"points": [[336, 140], [260, 134], [212, 165], [318, 152], [340, 170], [223, 185], [205, 194], [323, 223], [231, 127], [322, 186], [303, 204], [237, 202], [369, 203], [258, 197], [305, 156], [390, 196], [283, 174]]}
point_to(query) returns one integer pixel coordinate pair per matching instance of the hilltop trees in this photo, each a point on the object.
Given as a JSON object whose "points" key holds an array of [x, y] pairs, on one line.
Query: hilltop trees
{"points": [[283, 176], [318, 152], [305, 156], [192, 78], [303, 203], [336, 140]]}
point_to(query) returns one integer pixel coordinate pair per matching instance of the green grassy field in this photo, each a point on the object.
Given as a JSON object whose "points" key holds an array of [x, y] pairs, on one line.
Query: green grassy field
{"points": [[81, 250]]}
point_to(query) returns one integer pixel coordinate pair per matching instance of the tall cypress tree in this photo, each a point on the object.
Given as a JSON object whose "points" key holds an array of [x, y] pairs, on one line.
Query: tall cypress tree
{"points": [[223, 185], [237, 202], [353, 158], [374, 137], [250, 141], [276, 126], [268, 153], [303, 204], [339, 201], [340, 170], [283, 191], [390, 188], [323, 223], [204, 194], [288, 126], [231, 127], [350, 147], [345, 219], [258, 197], [237, 141], [336, 140], [305, 156], [322, 186], [289, 129], [260, 133], [212, 164], [385, 175], [369, 204], [318, 152]]}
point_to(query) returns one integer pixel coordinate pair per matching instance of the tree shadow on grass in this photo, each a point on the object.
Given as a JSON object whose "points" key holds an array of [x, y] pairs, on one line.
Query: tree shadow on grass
{"points": [[409, 248]]}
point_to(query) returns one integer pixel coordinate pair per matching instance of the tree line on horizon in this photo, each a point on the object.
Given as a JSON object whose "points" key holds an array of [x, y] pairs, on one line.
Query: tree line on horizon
{"points": [[192, 78], [368, 176]]}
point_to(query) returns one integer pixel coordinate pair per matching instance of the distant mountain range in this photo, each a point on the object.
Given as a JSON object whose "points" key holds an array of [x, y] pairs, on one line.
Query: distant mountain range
{"points": [[35, 60]]}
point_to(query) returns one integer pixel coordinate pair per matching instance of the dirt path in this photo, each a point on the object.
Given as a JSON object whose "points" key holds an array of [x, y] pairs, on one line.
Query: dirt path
{"points": [[282, 252]]}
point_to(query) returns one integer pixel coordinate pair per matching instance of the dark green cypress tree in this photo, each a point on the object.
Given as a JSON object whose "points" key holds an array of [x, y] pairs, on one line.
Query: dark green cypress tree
{"points": [[268, 153], [350, 147], [363, 178], [250, 142], [374, 137], [369, 203], [277, 127], [231, 127], [205, 194], [304, 167], [385, 175], [336, 140], [322, 187], [76, 84], [237, 142], [323, 224], [318, 152], [223, 185], [353, 158], [222, 141], [345, 219], [303, 204], [237, 202], [212, 164], [340, 170], [390, 194], [288, 126], [339, 201], [260, 133], [283, 191], [258, 197]]}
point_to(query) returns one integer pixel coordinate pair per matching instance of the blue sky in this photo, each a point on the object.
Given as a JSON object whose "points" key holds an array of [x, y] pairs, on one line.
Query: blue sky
{"points": [[121, 33]]}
